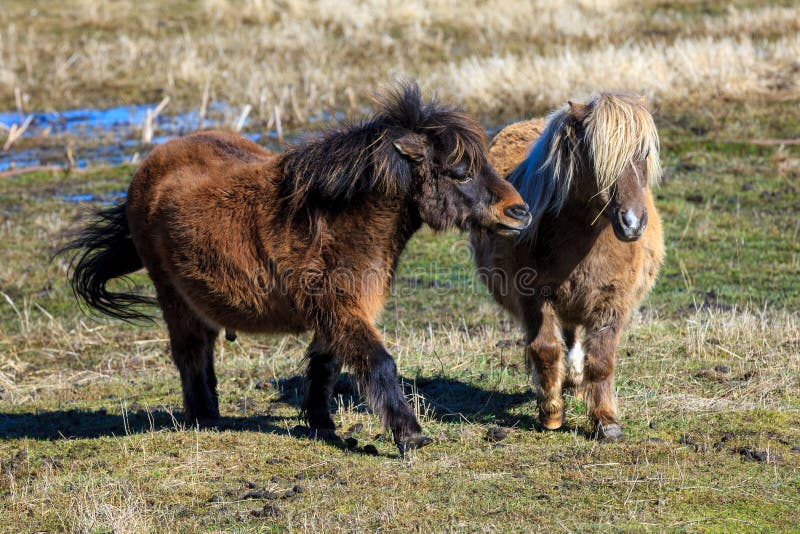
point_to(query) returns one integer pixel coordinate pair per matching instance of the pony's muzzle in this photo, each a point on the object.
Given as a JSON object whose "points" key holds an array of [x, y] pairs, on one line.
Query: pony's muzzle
{"points": [[517, 218], [628, 226]]}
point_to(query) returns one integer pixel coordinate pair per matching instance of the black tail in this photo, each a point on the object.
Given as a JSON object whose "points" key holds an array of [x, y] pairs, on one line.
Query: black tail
{"points": [[104, 250]]}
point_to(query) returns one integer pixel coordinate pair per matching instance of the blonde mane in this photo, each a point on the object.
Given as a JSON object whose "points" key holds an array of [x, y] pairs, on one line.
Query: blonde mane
{"points": [[620, 130], [617, 130]]}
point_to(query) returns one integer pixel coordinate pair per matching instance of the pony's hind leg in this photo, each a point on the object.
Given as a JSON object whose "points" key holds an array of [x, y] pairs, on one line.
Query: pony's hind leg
{"points": [[545, 360], [322, 371], [598, 383], [192, 348]]}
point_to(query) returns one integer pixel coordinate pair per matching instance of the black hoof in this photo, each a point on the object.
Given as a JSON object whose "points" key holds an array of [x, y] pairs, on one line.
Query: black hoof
{"points": [[413, 443], [609, 432]]}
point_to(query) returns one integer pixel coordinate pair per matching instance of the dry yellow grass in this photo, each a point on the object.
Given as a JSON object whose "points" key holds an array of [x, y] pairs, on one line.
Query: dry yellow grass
{"points": [[499, 59]]}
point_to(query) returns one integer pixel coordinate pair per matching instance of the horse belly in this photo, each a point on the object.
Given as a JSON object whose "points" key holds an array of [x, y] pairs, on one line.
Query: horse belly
{"points": [[238, 307]]}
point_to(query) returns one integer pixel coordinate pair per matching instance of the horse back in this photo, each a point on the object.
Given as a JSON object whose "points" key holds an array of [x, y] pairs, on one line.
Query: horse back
{"points": [[194, 206], [512, 144]]}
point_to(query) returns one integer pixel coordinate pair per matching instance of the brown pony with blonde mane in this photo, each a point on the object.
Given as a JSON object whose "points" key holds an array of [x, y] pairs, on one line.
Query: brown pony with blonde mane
{"points": [[592, 253], [236, 237]]}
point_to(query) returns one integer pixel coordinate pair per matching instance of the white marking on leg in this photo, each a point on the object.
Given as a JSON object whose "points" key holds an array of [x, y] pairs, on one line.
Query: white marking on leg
{"points": [[575, 358]]}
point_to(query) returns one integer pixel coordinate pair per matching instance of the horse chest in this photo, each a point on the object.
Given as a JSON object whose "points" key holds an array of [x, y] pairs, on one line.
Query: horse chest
{"points": [[579, 279]]}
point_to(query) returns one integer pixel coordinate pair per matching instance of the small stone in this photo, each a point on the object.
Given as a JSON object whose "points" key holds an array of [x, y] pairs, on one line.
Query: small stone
{"points": [[722, 369], [215, 498], [300, 476], [298, 489], [653, 425]]}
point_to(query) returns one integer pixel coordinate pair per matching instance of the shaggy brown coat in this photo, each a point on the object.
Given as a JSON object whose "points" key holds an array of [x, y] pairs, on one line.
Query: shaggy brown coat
{"points": [[235, 237]]}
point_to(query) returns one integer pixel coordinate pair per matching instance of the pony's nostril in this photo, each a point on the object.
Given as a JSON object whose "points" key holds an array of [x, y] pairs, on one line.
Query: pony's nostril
{"points": [[629, 219], [517, 211]]}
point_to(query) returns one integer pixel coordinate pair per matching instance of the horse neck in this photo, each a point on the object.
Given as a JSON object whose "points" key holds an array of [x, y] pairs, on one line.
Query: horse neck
{"points": [[407, 222], [576, 218]]}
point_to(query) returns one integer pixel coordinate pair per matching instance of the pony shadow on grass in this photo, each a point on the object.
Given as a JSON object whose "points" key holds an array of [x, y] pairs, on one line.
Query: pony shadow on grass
{"points": [[76, 424], [445, 399]]}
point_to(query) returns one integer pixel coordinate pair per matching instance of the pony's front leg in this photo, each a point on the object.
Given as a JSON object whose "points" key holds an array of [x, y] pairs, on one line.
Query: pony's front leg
{"points": [[361, 349], [545, 360], [598, 379]]}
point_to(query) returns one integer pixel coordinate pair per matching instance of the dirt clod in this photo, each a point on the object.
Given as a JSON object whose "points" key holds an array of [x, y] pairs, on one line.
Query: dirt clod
{"points": [[756, 455], [267, 511], [497, 433]]}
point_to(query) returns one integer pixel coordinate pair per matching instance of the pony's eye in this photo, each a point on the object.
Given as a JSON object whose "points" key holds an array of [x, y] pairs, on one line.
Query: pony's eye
{"points": [[463, 179]]}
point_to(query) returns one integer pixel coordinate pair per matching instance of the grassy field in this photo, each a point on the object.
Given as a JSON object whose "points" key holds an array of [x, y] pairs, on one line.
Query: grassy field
{"points": [[91, 433]]}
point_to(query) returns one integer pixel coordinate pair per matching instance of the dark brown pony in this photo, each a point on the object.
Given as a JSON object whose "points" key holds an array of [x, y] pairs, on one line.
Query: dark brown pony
{"points": [[592, 253], [236, 237]]}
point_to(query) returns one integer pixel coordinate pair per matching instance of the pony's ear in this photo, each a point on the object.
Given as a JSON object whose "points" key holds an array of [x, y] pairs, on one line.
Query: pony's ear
{"points": [[578, 110], [414, 146]]}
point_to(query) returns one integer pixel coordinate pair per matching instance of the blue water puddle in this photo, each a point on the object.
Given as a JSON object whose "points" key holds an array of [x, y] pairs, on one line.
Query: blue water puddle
{"points": [[107, 198], [127, 118], [113, 135]]}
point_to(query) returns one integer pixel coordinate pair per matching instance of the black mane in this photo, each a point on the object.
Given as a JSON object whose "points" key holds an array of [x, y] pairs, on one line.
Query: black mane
{"points": [[359, 158]]}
